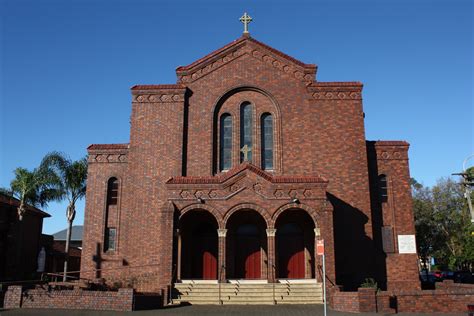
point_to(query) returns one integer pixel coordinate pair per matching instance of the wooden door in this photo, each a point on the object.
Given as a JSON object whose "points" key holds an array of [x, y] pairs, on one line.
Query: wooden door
{"points": [[208, 257], [291, 259], [248, 256], [203, 257]]}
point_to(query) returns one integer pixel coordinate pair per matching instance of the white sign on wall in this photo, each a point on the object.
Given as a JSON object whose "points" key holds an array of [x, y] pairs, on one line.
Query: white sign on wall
{"points": [[406, 244]]}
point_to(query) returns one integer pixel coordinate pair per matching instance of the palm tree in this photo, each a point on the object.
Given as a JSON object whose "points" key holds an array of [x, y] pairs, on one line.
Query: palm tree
{"points": [[35, 188], [31, 188], [71, 186]]}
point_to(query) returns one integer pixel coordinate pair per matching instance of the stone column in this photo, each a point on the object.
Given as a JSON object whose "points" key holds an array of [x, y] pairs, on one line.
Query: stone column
{"points": [[271, 254], [178, 268], [221, 276]]}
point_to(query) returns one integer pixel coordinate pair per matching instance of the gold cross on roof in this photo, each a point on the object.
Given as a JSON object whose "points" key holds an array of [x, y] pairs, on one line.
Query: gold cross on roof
{"points": [[246, 19]]}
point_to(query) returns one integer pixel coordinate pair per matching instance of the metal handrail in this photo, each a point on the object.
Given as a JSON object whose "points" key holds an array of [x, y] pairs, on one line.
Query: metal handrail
{"points": [[273, 281], [222, 268], [173, 275]]}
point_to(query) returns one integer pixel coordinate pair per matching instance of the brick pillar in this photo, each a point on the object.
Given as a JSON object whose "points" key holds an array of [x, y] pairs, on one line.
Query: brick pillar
{"points": [[367, 300], [221, 233], [271, 254]]}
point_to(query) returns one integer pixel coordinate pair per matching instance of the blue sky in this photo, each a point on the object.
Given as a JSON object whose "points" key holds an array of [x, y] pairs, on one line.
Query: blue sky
{"points": [[67, 66]]}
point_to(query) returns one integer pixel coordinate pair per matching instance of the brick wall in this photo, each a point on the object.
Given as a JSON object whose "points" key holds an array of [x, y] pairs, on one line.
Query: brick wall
{"points": [[344, 301], [122, 300], [12, 297], [451, 298]]}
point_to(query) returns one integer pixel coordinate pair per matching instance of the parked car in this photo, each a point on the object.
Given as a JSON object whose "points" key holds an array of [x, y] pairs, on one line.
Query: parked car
{"points": [[463, 277], [438, 275]]}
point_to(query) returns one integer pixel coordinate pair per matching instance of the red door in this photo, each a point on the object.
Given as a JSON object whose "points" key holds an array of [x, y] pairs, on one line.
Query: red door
{"points": [[203, 259], [248, 259], [208, 258], [291, 263]]}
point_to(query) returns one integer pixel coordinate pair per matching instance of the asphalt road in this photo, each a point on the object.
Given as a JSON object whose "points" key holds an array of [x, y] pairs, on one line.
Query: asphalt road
{"points": [[270, 310]]}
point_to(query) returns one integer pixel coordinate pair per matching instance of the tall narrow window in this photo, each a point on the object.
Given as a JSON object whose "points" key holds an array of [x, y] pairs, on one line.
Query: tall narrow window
{"points": [[246, 132], [112, 191], [267, 141], [226, 142], [109, 244], [112, 200], [383, 192]]}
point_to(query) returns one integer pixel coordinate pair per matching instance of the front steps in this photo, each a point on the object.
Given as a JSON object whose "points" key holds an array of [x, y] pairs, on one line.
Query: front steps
{"points": [[237, 293]]}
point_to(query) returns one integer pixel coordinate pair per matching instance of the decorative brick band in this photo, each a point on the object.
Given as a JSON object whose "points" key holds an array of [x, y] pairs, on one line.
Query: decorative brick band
{"points": [[158, 98], [107, 153], [336, 90]]}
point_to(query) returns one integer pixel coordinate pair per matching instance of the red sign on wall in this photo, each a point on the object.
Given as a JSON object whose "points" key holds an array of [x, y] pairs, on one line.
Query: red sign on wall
{"points": [[320, 247]]}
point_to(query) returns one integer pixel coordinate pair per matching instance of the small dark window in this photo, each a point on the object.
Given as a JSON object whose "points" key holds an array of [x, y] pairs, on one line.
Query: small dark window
{"points": [[112, 191], [246, 132], [267, 141], [110, 239], [383, 192], [226, 142]]}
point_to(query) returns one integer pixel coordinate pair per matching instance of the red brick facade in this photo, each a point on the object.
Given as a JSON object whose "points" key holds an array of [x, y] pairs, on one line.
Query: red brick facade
{"points": [[447, 298], [324, 175]]}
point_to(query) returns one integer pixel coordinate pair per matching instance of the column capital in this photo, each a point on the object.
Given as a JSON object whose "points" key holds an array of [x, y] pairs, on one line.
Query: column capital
{"points": [[317, 232], [271, 232], [221, 232]]}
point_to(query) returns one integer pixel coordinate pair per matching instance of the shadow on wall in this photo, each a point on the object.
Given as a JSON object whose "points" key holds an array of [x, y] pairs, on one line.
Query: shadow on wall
{"points": [[97, 258], [353, 249], [377, 218]]}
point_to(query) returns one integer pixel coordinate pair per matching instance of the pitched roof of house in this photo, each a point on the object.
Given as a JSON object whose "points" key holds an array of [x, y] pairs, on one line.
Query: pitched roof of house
{"points": [[76, 233], [9, 200]]}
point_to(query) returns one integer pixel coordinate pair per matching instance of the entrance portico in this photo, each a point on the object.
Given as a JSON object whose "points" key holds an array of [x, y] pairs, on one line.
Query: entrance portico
{"points": [[267, 239]]}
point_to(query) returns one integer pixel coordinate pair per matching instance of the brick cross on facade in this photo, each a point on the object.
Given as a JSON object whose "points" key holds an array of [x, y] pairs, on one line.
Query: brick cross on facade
{"points": [[246, 19]]}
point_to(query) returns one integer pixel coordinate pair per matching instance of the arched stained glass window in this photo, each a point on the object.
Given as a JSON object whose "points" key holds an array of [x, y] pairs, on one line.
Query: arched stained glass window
{"points": [[267, 141], [246, 132], [225, 142]]}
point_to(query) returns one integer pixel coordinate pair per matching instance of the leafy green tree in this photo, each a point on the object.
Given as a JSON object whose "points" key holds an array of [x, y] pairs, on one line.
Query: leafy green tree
{"points": [[443, 224], [71, 185]]}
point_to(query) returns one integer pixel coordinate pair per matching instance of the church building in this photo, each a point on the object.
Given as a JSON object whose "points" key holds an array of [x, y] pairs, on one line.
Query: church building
{"points": [[233, 174]]}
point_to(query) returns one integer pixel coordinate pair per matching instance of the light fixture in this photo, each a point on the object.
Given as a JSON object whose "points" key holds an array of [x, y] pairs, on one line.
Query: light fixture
{"points": [[295, 200], [200, 200]]}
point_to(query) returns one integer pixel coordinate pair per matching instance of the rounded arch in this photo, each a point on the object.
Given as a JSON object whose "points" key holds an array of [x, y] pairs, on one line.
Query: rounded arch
{"points": [[198, 206], [276, 113], [220, 100], [249, 206], [297, 206]]}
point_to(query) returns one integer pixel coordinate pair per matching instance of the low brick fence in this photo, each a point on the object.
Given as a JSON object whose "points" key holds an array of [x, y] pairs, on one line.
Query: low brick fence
{"points": [[122, 300], [448, 297]]}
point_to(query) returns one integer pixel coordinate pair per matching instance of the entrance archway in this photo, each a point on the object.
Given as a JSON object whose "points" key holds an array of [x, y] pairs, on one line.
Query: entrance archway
{"points": [[246, 246], [199, 245], [295, 245]]}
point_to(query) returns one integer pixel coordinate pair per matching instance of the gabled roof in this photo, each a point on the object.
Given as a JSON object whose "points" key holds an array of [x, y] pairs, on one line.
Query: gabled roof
{"points": [[76, 233], [236, 43], [241, 168], [229, 51], [10, 200]]}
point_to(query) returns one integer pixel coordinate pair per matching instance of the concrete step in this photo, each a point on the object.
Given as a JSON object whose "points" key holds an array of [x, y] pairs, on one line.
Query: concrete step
{"points": [[248, 293]]}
